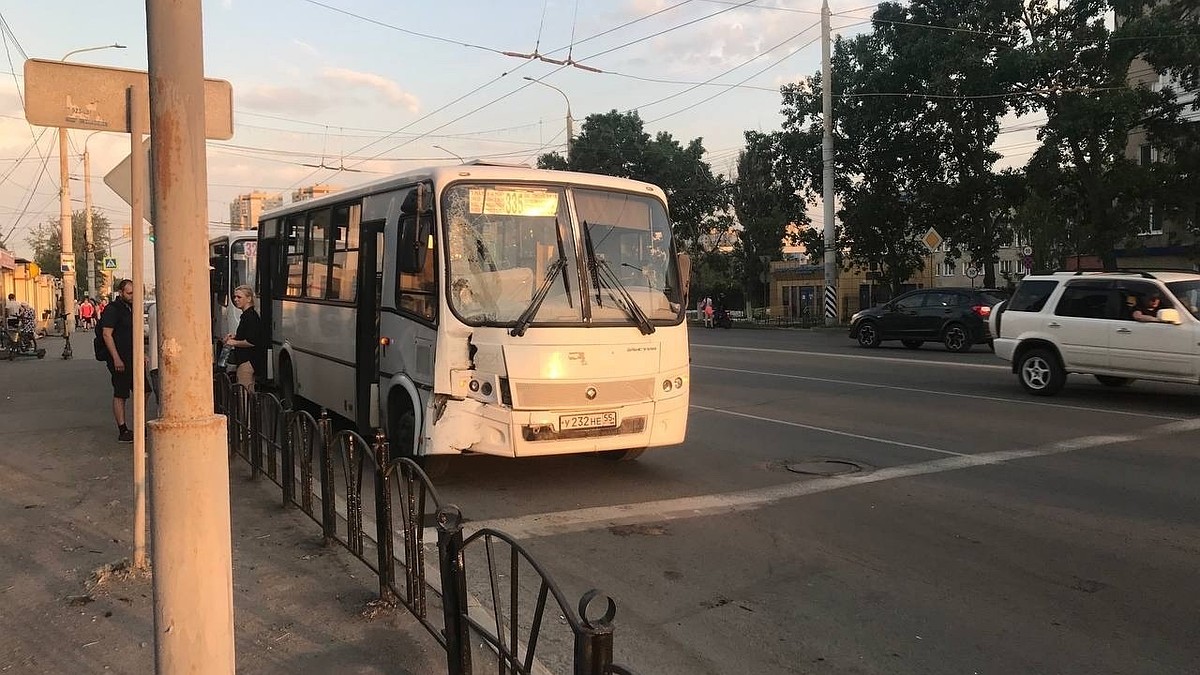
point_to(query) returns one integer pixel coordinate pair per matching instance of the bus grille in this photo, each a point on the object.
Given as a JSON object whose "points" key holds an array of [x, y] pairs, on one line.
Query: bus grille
{"points": [[544, 395], [629, 425]]}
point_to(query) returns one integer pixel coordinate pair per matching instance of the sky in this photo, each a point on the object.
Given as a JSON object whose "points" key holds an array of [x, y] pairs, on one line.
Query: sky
{"points": [[368, 88]]}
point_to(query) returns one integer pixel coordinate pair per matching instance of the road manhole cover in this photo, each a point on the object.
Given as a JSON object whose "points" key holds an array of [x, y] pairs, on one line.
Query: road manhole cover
{"points": [[824, 467]]}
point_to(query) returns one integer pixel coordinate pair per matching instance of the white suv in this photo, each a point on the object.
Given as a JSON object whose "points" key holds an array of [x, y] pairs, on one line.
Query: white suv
{"points": [[1082, 322]]}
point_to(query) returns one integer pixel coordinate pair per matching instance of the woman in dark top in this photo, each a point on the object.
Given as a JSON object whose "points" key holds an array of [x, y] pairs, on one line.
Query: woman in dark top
{"points": [[249, 346]]}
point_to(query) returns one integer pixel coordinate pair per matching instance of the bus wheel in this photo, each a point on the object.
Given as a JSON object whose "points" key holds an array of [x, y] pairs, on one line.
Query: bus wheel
{"points": [[287, 385], [434, 466], [622, 455]]}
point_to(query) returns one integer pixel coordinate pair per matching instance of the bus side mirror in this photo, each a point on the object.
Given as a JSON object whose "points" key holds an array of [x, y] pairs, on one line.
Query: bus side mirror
{"points": [[1169, 316], [415, 232], [416, 228], [684, 262]]}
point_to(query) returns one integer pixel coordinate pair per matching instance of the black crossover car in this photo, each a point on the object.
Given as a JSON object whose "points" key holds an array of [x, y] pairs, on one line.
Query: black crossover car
{"points": [[956, 317]]}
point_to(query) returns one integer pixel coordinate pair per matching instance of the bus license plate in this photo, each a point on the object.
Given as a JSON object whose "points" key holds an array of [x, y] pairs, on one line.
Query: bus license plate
{"points": [[590, 421]]}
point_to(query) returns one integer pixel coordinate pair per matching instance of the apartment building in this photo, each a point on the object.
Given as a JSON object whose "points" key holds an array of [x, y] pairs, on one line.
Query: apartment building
{"points": [[245, 209]]}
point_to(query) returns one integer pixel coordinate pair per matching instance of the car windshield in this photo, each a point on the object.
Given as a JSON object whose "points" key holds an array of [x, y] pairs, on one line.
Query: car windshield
{"points": [[1188, 293], [505, 241]]}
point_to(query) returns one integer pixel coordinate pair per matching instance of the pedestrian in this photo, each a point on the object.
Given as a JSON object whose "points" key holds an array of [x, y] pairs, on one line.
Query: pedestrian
{"points": [[116, 326], [708, 314], [153, 385], [249, 348], [12, 307], [86, 310]]}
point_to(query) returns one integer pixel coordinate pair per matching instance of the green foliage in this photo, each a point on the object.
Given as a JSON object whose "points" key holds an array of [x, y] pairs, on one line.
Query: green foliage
{"points": [[47, 246], [765, 204], [616, 144]]}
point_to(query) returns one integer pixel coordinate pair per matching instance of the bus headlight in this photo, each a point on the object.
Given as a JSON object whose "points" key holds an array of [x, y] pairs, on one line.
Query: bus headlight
{"points": [[667, 385], [679, 383]]}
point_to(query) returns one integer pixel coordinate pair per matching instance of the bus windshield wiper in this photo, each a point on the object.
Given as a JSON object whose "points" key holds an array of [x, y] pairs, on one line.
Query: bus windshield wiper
{"points": [[526, 317], [603, 277], [626, 302]]}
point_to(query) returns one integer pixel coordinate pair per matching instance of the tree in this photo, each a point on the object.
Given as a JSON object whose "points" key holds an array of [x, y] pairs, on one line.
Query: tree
{"points": [[46, 241], [769, 209], [1078, 71], [914, 119], [616, 144]]}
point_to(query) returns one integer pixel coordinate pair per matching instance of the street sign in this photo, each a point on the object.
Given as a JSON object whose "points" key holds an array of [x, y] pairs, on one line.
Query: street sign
{"points": [[110, 263], [120, 179], [1027, 251], [932, 239], [972, 272], [84, 96], [66, 261]]}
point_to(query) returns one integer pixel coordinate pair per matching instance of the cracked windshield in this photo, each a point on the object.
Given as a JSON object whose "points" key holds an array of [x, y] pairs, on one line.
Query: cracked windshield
{"points": [[505, 243]]}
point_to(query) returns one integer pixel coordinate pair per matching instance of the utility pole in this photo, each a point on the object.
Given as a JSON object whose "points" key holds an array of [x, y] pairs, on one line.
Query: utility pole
{"points": [[89, 238], [189, 469], [67, 255], [831, 280]]}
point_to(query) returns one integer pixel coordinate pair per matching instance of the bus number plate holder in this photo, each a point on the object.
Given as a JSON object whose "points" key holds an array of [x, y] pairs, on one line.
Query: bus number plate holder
{"points": [[599, 420]]}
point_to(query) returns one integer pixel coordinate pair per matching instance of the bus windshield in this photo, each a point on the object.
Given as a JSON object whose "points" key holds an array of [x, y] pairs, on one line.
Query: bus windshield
{"points": [[505, 241], [243, 263]]}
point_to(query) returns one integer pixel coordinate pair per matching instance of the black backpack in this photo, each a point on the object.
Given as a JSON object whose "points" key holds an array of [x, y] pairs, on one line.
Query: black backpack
{"points": [[99, 347]]}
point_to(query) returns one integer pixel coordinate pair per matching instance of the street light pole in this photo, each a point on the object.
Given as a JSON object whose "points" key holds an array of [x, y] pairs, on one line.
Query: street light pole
{"points": [[455, 154], [89, 237], [67, 254], [570, 120]]}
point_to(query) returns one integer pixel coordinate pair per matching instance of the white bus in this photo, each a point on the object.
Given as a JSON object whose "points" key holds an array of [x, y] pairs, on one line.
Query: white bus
{"points": [[232, 262], [484, 309]]}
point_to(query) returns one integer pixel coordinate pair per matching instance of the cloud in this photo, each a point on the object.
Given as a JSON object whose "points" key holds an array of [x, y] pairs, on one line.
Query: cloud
{"points": [[353, 79], [309, 49], [283, 99]]}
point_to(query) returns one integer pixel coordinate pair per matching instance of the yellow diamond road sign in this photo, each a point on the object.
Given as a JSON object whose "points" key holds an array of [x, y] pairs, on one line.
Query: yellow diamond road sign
{"points": [[932, 239]]}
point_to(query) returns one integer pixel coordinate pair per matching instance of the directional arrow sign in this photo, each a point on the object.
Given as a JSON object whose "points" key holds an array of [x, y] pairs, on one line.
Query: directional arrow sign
{"points": [[120, 179]]}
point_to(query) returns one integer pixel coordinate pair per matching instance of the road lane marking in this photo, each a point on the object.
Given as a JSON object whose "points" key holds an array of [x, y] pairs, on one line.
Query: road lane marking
{"points": [[945, 393], [600, 517], [827, 430], [861, 357]]}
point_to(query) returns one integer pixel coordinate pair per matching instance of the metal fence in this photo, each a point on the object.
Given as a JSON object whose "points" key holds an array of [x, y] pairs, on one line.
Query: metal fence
{"points": [[482, 596]]}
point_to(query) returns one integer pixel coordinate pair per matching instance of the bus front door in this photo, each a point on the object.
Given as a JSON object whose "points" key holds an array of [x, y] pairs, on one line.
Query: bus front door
{"points": [[366, 350]]}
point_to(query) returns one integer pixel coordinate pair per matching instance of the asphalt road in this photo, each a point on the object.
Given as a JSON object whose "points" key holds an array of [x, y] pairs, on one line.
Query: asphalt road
{"points": [[981, 530]]}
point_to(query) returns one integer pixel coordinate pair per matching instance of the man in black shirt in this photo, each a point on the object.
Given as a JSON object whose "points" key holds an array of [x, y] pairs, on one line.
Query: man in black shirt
{"points": [[116, 325]]}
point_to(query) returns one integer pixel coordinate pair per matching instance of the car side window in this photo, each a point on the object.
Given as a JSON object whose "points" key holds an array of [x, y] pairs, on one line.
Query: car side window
{"points": [[1031, 295], [1088, 300], [910, 302], [943, 300], [1133, 294]]}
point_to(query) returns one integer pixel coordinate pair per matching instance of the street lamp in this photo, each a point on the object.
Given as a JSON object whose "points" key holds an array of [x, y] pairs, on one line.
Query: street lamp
{"points": [[67, 256], [570, 121], [89, 237], [460, 159]]}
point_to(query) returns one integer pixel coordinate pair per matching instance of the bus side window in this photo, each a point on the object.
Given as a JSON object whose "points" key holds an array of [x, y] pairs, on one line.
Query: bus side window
{"points": [[343, 282], [293, 260]]}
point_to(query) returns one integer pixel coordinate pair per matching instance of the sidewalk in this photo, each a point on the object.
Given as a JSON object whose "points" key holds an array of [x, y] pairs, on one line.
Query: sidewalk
{"points": [[66, 496]]}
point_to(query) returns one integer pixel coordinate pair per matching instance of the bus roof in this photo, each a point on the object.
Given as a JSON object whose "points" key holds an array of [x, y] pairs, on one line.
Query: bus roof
{"points": [[440, 175]]}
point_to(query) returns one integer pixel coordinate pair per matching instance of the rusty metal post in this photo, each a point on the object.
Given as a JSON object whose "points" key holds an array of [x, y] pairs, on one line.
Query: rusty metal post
{"points": [[384, 532], [328, 508], [67, 254], [452, 564], [287, 455], [594, 636], [137, 197], [193, 578]]}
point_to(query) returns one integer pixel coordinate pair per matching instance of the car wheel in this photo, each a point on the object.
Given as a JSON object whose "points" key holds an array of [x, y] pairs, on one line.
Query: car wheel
{"points": [[912, 344], [956, 338], [868, 334], [1040, 372], [1111, 381]]}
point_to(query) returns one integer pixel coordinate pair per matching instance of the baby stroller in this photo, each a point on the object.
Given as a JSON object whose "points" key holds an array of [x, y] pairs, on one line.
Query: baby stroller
{"points": [[20, 338]]}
